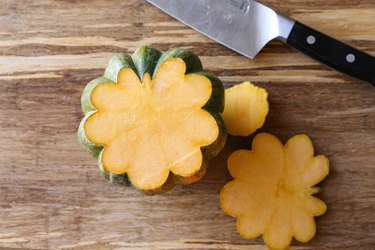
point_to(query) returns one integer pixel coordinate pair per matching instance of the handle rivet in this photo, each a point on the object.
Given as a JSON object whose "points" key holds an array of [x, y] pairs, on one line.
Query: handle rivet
{"points": [[311, 40], [350, 58]]}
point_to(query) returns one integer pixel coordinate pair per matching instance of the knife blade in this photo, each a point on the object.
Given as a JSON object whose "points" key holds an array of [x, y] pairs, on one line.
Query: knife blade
{"points": [[246, 26]]}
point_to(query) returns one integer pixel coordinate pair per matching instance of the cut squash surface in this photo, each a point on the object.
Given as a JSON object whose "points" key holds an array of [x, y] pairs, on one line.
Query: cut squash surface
{"points": [[246, 109], [159, 124], [151, 127], [272, 191]]}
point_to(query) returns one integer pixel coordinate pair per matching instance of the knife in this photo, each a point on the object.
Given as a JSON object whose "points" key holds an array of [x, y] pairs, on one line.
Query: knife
{"points": [[246, 26]]}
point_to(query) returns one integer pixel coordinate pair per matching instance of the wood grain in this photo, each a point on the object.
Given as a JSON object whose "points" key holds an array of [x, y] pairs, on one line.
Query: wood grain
{"points": [[51, 193]]}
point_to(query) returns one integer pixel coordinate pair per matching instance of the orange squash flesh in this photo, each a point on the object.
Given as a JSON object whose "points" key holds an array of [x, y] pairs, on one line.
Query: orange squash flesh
{"points": [[246, 109], [272, 191], [152, 127]]}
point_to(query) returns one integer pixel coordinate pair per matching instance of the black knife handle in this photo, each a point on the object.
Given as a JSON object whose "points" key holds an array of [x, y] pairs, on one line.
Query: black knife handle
{"points": [[333, 53]]}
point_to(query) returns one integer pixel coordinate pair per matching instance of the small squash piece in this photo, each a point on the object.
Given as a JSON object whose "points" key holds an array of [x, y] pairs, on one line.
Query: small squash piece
{"points": [[153, 119], [272, 191], [246, 109]]}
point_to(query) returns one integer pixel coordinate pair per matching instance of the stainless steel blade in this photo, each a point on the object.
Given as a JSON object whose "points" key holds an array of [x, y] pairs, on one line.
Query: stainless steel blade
{"points": [[245, 26]]}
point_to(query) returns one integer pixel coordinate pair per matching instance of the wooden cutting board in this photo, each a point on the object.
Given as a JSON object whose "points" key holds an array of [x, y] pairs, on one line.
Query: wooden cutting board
{"points": [[51, 193]]}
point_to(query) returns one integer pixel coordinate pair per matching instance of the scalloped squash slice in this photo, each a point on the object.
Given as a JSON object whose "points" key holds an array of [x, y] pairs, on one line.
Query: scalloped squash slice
{"points": [[246, 109], [153, 120], [272, 191]]}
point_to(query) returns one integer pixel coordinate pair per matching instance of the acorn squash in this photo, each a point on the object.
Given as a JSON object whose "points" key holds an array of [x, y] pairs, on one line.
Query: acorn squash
{"points": [[153, 120]]}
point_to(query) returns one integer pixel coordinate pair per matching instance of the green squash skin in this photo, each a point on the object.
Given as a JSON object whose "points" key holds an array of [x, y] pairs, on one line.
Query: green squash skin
{"points": [[217, 100], [193, 63], [85, 98], [147, 59], [116, 64], [214, 148], [90, 147], [117, 179]]}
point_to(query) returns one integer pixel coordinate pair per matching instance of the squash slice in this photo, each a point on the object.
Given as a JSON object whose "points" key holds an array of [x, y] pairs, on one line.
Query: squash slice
{"points": [[246, 109], [272, 191]]}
